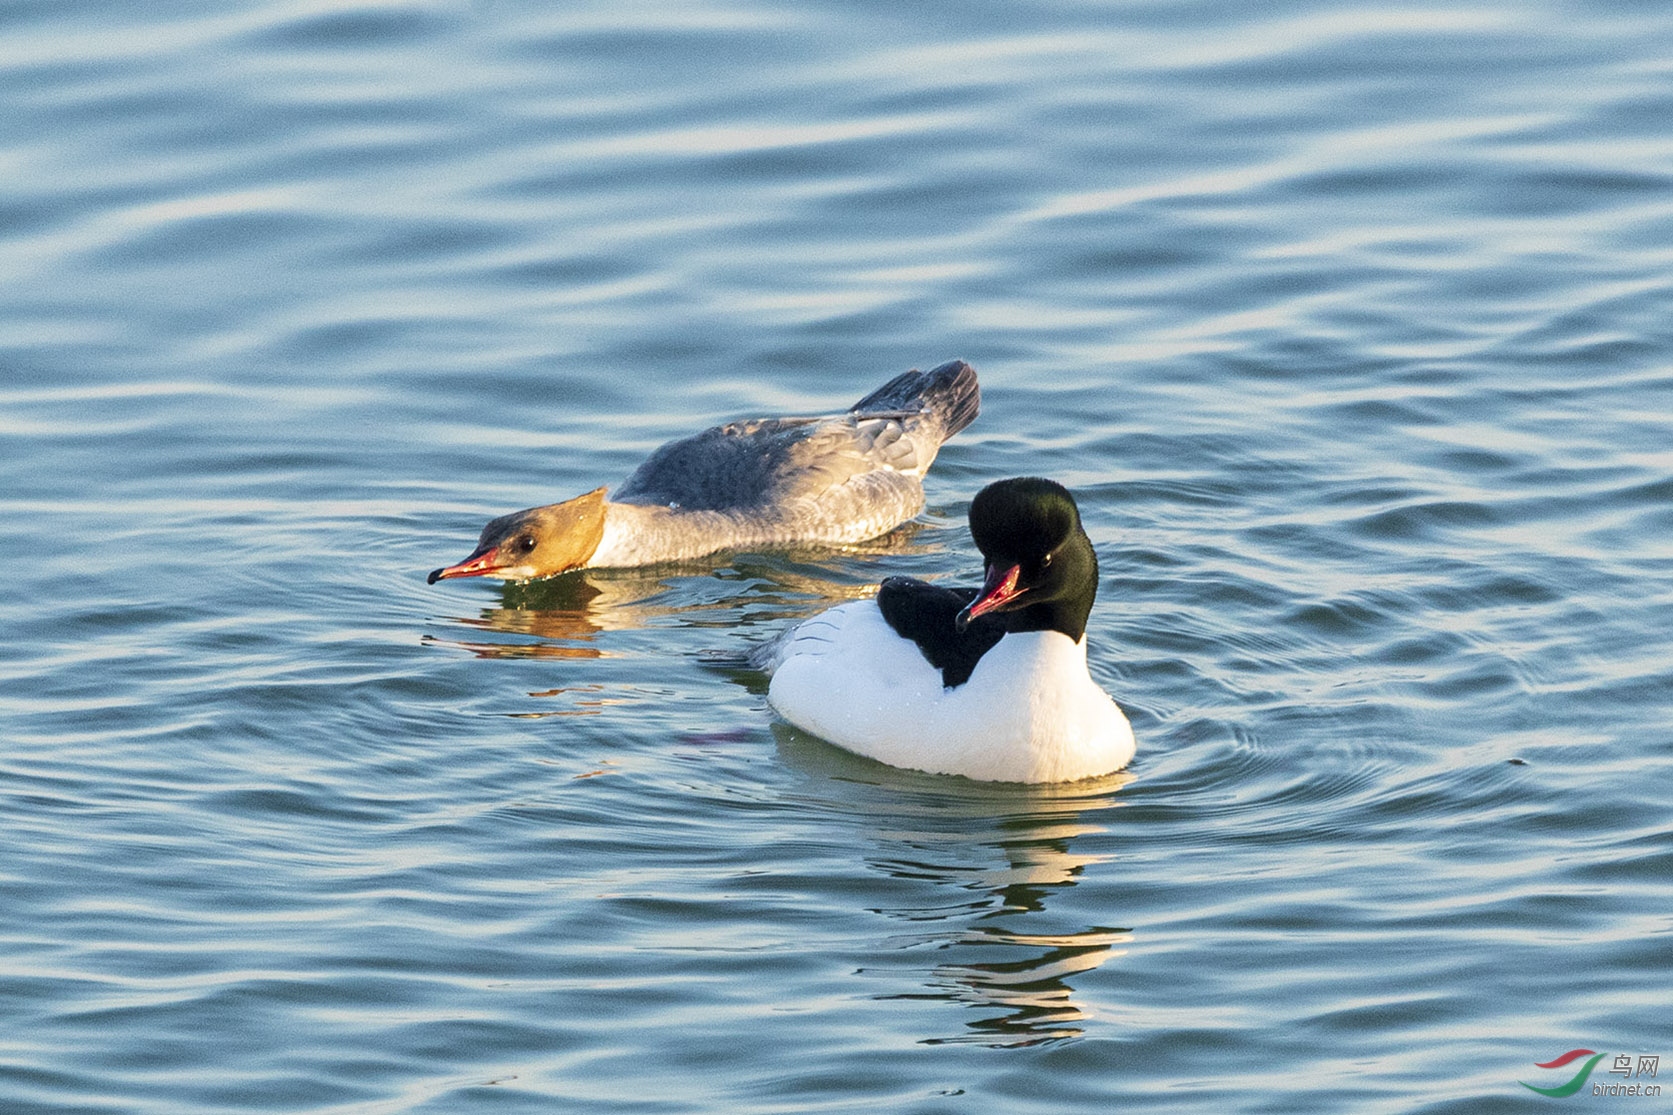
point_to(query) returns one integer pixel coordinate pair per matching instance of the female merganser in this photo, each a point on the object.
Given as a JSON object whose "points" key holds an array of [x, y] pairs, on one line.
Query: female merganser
{"points": [[764, 482], [990, 683]]}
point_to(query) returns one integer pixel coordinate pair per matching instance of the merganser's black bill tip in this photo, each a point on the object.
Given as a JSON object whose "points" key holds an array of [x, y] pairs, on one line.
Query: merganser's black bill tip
{"points": [[479, 564]]}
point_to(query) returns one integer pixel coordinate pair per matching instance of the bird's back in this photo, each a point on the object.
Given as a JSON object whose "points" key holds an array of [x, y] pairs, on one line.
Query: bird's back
{"points": [[841, 477]]}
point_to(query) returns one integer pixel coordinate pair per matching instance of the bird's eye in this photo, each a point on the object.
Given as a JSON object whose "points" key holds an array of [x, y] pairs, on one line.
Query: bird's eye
{"points": [[526, 543], [1045, 562]]}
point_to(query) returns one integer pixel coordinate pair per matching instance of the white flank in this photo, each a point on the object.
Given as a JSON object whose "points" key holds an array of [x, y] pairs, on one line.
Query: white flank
{"points": [[1029, 713]]}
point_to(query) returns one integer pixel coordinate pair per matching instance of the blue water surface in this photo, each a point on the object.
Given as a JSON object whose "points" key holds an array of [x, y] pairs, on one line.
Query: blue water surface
{"points": [[1349, 323]]}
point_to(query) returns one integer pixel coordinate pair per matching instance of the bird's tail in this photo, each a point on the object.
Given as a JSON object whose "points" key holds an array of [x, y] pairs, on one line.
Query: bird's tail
{"points": [[948, 393]]}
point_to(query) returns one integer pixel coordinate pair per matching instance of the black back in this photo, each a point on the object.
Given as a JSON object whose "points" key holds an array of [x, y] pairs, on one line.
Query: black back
{"points": [[924, 613]]}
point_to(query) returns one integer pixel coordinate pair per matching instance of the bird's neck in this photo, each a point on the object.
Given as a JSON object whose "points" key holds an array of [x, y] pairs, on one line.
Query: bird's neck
{"points": [[645, 534], [1066, 616]]}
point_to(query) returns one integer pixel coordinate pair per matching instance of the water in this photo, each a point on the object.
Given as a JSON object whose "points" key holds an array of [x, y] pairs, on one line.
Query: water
{"points": [[1348, 323]]}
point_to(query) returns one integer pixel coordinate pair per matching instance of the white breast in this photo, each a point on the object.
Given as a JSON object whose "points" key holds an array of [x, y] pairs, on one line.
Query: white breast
{"points": [[1029, 713]]}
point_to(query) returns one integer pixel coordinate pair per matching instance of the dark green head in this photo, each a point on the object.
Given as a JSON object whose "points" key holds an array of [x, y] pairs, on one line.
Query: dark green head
{"points": [[1041, 572]]}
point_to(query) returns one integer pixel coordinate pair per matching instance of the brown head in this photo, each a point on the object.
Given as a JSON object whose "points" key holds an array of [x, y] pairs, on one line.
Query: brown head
{"points": [[539, 542]]}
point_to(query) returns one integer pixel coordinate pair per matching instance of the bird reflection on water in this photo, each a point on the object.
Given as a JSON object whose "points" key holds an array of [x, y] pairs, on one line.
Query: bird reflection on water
{"points": [[983, 862], [1007, 961], [562, 616], [597, 614]]}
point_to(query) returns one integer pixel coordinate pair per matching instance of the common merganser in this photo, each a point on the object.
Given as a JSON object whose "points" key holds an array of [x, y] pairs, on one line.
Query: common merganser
{"points": [[763, 482], [988, 683]]}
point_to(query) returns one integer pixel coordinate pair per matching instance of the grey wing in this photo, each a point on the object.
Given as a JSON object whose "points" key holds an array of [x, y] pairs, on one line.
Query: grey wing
{"points": [[852, 477], [879, 450], [724, 468], [844, 446], [852, 468]]}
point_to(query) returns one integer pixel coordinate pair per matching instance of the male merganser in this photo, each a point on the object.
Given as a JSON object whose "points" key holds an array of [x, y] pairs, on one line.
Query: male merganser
{"points": [[992, 683], [763, 482]]}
